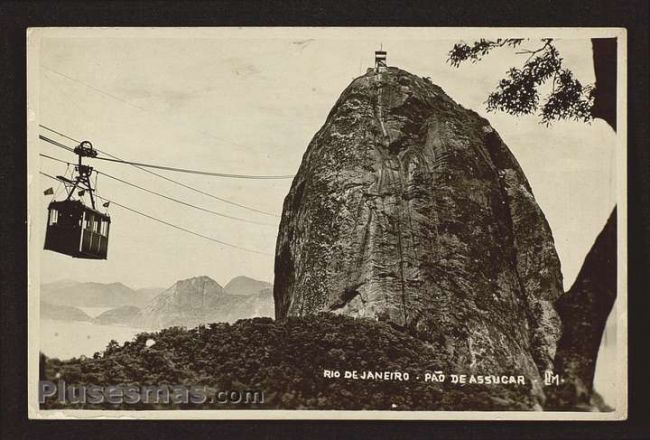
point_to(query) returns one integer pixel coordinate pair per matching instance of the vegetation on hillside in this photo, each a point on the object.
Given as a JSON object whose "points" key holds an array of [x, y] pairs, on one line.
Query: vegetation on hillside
{"points": [[285, 360]]}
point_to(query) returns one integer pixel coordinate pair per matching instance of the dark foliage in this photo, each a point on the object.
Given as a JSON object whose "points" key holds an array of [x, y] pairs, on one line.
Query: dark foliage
{"points": [[285, 360], [518, 93], [462, 52]]}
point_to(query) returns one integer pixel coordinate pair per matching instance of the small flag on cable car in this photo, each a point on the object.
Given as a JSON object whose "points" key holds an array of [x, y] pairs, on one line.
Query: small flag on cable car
{"points": [[105, 204], [48, 192], [81, 193]]}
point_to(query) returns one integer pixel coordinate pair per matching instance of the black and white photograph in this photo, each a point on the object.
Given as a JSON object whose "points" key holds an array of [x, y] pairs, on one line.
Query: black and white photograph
{"points": [[327, 223]]}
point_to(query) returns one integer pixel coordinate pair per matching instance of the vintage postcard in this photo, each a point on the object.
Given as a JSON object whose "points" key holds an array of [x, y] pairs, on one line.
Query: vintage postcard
{"points": [[327, 223]]}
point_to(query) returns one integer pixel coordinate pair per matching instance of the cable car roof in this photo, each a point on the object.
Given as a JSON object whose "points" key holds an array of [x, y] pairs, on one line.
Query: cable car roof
{"points": [[76, 205]]}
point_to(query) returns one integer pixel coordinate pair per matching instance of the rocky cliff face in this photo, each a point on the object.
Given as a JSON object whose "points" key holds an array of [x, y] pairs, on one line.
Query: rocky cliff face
{"points": [[409, 208]]}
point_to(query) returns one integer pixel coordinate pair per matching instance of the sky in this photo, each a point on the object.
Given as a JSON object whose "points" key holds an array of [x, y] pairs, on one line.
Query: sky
{"points": [[249, 102]]}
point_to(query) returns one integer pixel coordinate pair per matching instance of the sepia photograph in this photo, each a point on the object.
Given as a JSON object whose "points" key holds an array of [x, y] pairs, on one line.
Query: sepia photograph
{"points": [[327, 223]]}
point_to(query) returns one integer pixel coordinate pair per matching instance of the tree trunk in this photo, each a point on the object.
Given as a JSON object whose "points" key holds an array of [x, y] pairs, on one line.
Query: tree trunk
{"points": [[604, 53], [584, 310], [585, 307]]}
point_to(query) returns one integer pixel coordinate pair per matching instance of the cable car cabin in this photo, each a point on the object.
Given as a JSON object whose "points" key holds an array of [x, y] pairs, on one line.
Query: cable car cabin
{"points": [[75, 229]]}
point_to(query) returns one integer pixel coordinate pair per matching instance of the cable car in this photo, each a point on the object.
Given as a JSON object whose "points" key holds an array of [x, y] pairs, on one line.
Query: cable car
{"points": [[77, 230], [73, 228]]}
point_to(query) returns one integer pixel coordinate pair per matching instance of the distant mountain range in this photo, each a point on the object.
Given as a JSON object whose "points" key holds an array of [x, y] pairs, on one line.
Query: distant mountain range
{"points": [[125, 315], [187, 303], [242, 285], [77, 294], [62, 313], [202, 300]]}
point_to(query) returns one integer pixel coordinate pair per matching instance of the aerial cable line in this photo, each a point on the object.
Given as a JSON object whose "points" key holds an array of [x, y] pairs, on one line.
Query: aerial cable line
{"points": [[55, 143], [249, 208], [54, 158], [185, 203], [61, 134], [90, 86], [176, 182], [166, 197], [159, 175], [203, 173], [171, 224], [179, 170], [58, 187], [124, 101], [180, 228]]}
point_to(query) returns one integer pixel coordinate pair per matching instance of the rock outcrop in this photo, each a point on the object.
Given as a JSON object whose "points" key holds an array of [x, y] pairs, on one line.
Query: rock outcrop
{"points": [[410, 209]]}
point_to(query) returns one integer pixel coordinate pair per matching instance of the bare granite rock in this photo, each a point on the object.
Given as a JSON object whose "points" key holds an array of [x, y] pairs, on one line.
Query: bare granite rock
{"points": [[408, 208]]}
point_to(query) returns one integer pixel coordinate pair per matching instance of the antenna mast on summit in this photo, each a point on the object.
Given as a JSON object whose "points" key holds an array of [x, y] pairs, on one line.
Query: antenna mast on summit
{"points": [[380, 59]]}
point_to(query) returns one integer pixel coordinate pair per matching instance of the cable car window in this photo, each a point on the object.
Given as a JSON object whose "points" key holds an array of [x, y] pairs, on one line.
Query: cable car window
{"points": [[54, 215]]}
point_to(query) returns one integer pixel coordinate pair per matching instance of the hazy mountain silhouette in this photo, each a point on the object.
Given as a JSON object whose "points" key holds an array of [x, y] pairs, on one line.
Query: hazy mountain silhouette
{"points": [[62, 313], [90, 294], [125, 315], [243, 285], [201, 300]]}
